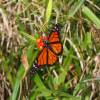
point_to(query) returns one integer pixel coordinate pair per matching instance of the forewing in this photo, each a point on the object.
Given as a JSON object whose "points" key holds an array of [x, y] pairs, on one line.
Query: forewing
{"points": [[54, 37]]}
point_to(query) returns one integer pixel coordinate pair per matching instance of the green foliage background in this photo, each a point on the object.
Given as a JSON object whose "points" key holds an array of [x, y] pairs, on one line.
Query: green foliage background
{"points": [[20, 23]]}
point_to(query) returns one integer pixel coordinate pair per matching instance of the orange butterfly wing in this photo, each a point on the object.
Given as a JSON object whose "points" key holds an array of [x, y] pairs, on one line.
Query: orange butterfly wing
{"points": [[57, 48], [54, 37], [55, 43], [52, 58], [42, 58], [46, 57]]}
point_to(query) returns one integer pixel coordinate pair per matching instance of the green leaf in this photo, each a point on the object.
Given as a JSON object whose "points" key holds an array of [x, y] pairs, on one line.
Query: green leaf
{"points": [[65, 68], [87, 40], [48, 11], [21, 72], [17, 83], [75, 8], [91, 16], [27, 36], [41, 86]]}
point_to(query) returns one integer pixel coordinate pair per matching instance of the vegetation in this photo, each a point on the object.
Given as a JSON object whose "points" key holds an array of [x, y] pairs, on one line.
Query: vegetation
{"points": [[77, 74]]}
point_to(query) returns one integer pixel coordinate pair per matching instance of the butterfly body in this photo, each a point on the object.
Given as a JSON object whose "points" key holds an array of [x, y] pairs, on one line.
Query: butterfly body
{"points": [[46, 43], [52, 47]]}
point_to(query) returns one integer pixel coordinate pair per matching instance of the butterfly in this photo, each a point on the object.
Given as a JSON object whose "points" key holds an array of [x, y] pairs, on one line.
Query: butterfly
{"points": [[52, 47]]}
